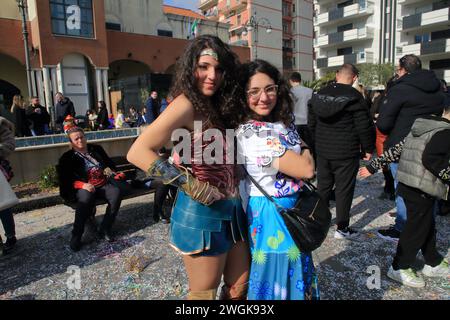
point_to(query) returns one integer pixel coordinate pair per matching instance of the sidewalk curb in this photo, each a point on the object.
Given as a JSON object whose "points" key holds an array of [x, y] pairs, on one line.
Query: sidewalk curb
{"points": [[40, 202]]}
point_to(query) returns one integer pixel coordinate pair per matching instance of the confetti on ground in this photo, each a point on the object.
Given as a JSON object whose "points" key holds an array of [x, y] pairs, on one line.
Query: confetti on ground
{"points": [[142, 265], [136, 264]]}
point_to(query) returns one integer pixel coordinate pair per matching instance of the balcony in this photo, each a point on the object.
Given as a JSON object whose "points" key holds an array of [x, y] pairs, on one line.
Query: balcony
{"points": [[407, 2], [240, 43], [354, 58], [434, 18], [338, 15], [348, 36], [205, 5], [236, 29], [435, 48], [234, 8]]}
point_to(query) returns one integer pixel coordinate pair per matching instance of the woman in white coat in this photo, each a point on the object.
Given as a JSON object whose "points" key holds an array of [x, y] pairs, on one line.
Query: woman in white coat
{"points": [[7, 197]]}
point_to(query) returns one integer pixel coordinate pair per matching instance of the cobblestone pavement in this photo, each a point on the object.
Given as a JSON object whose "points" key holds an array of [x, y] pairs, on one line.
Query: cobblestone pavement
{"points": [[141, 265]]}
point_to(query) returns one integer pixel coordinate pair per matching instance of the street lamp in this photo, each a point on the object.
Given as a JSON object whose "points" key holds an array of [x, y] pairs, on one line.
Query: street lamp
{"points": [[253, 25], [22, 4]]}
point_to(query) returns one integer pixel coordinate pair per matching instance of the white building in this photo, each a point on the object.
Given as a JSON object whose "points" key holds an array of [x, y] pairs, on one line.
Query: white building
{"points": [[423, 29], [381, 31], [345, 32]]}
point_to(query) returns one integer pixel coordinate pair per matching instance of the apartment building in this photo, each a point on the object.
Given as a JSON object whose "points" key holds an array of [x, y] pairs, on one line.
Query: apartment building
{"points": [[381, 31], [423, 29], [89, 48], [346, 32], [280, 32]]}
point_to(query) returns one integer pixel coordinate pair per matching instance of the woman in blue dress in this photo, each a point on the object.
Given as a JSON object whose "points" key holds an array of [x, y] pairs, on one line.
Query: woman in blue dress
{"points": [[270, 148]]}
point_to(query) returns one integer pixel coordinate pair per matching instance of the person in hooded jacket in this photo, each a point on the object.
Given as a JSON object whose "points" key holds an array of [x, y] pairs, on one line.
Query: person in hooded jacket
{"points": [[424, 177], [343, 131], [415, 93]]}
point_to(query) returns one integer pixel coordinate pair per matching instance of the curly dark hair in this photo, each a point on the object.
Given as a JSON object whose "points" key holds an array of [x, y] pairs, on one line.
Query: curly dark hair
{"points": [[283, 110], [224, 108]]}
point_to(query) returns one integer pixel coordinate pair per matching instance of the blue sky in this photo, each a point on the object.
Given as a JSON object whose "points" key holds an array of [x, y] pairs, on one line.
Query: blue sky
{"points": [[188, 4]]}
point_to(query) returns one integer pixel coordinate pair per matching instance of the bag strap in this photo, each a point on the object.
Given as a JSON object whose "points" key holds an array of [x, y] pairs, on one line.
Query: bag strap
{"points": [[269, 197], [309, 185]]}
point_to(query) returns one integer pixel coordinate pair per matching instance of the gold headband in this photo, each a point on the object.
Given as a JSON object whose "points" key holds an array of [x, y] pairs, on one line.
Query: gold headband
{"points": [[210, 52]]}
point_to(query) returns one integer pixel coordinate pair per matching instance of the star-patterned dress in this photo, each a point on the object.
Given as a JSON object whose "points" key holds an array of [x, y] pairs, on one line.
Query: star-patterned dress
{"points": [[279, 271]]}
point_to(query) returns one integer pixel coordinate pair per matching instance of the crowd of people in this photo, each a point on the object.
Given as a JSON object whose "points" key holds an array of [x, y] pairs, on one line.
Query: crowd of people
{"points": [[221, 223], [33, 119]]}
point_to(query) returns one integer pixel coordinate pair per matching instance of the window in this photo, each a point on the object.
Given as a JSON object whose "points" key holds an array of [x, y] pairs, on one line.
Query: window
{"points": [[293, 7], [344, 51], [442, 34], [344, 4], [72, 18], [420, 38], [113, 26], [285, 27], [345, 27], [293, 44], [294, 26], [293, 62], [441, 4], [165, 33], [285, 9], [440, 64]]}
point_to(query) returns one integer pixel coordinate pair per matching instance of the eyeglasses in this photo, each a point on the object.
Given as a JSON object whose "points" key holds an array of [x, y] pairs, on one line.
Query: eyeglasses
{"points": [[255, 93]]}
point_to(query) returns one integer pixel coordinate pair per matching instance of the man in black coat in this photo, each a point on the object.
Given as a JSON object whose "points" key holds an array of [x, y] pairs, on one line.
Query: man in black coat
{"points": [[343, 131], [64, 107], [38, 116], [416, 93]]}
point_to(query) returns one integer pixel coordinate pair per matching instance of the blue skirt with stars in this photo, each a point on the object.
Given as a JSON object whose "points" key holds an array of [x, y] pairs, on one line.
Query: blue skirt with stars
{"points": [[279, 271]]}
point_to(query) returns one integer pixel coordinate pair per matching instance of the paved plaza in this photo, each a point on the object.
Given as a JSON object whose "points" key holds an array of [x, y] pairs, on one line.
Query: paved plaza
{"points": [[141, 265]]}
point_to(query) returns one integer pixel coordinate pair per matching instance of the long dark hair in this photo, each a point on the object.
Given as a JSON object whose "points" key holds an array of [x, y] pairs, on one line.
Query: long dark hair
{"points": [[224, 108], [283, 110]]}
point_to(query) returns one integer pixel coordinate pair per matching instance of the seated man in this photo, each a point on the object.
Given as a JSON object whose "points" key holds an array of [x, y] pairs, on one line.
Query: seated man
{"points": [[84, 176]]}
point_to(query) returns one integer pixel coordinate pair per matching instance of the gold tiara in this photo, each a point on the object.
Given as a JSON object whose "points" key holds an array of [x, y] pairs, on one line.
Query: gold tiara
{"points": [[210, 52]]}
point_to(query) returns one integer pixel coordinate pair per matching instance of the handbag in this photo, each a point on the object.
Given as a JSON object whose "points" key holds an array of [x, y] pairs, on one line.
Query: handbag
{"points": [[7, 196], [308, 221]]}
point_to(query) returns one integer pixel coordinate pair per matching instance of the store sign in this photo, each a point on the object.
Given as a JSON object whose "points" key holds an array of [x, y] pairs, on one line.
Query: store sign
{"points": [[73, 17], [75, 81]]}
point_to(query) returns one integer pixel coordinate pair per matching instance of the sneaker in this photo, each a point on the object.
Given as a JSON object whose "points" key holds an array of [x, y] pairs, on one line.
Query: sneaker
{"points": [[440, 270], [346, 233], [407, 277], [390, 234]]}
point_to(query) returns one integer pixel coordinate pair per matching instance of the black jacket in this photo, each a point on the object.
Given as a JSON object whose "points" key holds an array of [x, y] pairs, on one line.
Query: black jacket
{"points": [[340, 123], [63, 109], [21, 122], [38, 120], [436, 156], [71, 168], [102, 119], [412, 96]]}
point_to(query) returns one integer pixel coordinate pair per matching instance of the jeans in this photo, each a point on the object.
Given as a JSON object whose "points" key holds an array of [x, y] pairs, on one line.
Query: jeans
{"points": [[7, 219], [400, 220]]}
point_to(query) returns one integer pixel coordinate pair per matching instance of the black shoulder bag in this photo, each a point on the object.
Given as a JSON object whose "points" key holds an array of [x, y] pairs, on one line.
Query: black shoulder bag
{"points": [[308, 221]]}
